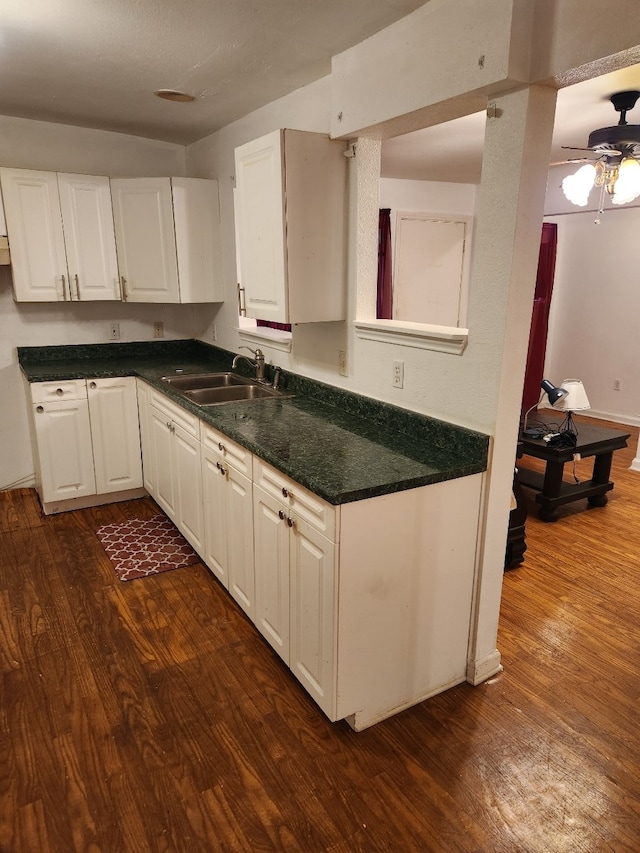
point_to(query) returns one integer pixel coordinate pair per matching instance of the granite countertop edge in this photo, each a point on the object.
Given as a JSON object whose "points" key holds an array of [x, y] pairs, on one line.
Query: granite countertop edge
{"points": [[444, 452]]}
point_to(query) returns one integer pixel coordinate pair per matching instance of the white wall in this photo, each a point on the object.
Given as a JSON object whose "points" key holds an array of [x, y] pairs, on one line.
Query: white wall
{"points": [[43, 145], [594, 323], [432, 197]]}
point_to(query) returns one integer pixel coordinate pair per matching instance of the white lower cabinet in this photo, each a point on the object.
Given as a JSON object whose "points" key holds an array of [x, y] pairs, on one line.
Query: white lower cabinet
{"points": [[295, 606], [113, 412], [368, 603], [86, 442], [174, 439], [64, 453], [228, 515]]}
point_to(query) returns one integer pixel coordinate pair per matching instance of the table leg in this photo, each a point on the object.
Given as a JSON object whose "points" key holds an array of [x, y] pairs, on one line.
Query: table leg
{"points": [[601, 471], [551, 489]]}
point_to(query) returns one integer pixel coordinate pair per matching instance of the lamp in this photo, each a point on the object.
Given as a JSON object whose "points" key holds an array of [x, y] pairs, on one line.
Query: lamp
{"points": [[617, 172], [554, 393], [575, 400]]}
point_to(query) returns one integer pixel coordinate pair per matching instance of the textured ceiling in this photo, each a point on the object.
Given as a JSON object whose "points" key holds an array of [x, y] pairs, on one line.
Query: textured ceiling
{"points": [[96, 63]]}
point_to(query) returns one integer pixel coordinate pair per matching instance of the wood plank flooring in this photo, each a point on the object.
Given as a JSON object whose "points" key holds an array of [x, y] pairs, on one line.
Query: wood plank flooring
{"points": [[151, 716]]}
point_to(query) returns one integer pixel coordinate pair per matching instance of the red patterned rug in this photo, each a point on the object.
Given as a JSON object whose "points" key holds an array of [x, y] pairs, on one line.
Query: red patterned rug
{"points": [[141, 547]]}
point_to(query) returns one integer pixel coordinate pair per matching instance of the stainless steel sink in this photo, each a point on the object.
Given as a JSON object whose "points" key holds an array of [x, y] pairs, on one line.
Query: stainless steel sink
{"points": [[212, 389], [193, 381], [230, 394]]}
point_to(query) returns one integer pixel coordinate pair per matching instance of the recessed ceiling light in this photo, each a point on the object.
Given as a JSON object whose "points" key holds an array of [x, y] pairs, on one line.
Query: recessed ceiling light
{"points": [[174, 95]]}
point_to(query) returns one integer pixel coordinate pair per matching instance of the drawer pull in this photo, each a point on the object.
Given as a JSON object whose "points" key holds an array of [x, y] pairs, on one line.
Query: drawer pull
{"points": [[285, 493], [221, 468], [290, 521], [59, 392], [220, 446], [281, 515], [93, 386], [39, 409]]}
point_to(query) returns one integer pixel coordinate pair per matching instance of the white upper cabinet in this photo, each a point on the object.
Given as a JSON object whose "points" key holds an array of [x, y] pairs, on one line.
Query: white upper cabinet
{"points": [[89, 237], [61, 236], [168, 239], [36, 237], [291, 227]]}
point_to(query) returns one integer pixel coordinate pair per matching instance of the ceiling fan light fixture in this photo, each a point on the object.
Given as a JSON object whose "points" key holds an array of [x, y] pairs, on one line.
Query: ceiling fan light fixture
{"points": [[577, 187], [627, 185]]}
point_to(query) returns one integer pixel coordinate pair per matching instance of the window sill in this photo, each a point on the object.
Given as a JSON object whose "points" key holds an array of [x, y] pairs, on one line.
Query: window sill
{"points": [[275, 338], [419, 335]]}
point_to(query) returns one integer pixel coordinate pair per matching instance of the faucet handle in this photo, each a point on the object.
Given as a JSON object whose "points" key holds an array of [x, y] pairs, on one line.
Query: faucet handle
{"points": [[257, 353]]}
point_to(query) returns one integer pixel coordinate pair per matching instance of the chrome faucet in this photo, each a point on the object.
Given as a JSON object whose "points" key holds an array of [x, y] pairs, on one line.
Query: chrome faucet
{"points": [[258, 363]]}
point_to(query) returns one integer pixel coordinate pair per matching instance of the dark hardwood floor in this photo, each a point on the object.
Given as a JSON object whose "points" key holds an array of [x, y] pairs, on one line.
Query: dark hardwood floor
{"points": [[151, 716]]}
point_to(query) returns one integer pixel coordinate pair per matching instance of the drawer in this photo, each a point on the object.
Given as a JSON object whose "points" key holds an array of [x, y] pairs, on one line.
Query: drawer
{"points": [[64, 389], [181, 417], [227, 450], [299, 500]]}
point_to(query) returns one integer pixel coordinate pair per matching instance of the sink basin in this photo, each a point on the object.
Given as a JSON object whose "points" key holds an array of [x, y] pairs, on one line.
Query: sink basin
{"points": [[211, 389], [193, 381], [230, 394]]}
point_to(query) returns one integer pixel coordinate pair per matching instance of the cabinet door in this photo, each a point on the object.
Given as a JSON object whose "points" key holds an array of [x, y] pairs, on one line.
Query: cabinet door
{"points": [[313, 613], [115, 432], [146, 437], [89, 237], [240, 555], [215, 515], [196, 218], [260, 223], [34, 222], [271, 571], [188, 470], [163, 461], [145, 238], [65, 454]]}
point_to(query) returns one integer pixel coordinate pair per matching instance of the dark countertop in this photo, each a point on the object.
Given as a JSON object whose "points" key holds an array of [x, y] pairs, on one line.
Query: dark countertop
{"points": [[342, 446]]}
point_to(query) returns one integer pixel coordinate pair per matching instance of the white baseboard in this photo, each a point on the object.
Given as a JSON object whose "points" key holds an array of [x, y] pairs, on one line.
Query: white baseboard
{"points": [[479, 670]]}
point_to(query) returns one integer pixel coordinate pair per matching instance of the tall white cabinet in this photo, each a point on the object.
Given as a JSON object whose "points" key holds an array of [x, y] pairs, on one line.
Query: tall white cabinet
{"points": [[168, 239], [291, 227], [61, 236]]}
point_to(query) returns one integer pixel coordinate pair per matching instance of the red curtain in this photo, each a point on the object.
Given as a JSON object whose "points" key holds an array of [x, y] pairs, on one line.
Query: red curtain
{"points": [[540, 317], [384, 302]]}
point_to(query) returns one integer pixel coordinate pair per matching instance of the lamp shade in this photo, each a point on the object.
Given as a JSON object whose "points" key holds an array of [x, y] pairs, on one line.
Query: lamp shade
{"points": [[576, 398], [553, 392]]}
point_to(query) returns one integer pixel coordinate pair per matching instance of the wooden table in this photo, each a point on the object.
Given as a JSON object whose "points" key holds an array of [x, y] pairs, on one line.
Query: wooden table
{"points": [[599, 442]]}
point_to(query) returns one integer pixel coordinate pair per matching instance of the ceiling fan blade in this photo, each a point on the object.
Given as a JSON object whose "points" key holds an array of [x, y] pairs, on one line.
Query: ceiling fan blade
{"points": [[571, 160], [575, 148]]}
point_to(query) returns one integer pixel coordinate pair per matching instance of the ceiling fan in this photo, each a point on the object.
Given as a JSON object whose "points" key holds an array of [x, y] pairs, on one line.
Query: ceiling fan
{"points": [[616, 170]]}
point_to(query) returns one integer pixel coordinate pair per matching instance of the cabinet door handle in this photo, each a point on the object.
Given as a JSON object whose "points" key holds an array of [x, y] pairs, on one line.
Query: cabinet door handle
{"points": [[123, 288], [290, 521], [39, 409], [77, 288], [281, 515], [285, 493], [242, 308], [221, 468], [93, 385], [64, 288]]}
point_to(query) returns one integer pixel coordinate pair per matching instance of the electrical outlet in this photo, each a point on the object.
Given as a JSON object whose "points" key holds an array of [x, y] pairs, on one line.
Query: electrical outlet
{"points": [[398, 374], [214, 333], [114, 331], [158, 329], [342, 363], [617, 384]]}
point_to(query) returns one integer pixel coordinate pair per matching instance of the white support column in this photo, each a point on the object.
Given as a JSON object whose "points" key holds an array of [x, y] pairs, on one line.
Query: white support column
{"points": [[510, 210]]}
